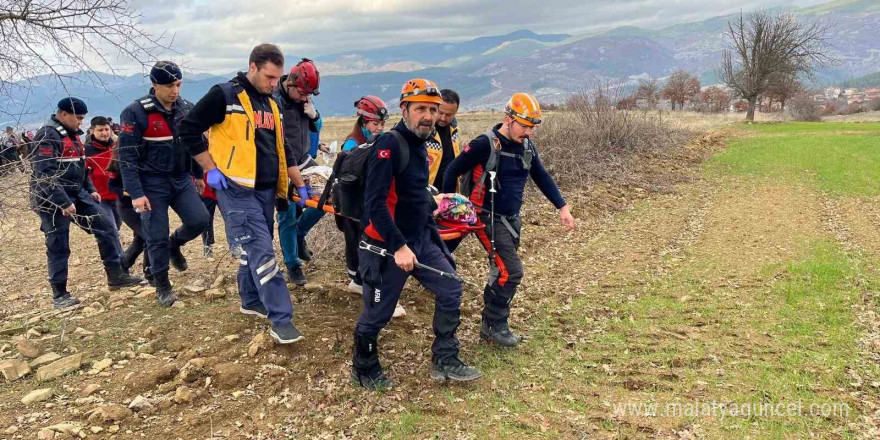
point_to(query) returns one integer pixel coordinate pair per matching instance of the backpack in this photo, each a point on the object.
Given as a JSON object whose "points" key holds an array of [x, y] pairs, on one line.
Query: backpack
{"points": [[473, 183], [349, 178]]}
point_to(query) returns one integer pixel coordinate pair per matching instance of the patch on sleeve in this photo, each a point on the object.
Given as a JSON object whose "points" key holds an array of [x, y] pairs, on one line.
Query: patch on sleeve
{"points": [[383, 154], [466, 148], [127, 127], [45, 151]]}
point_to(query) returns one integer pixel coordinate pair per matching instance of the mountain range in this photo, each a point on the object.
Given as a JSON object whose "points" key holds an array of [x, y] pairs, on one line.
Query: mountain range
{"points": [[486, 71]]}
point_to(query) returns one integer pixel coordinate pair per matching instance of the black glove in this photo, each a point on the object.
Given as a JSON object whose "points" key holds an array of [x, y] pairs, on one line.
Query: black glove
{"points": [[281, 205]]}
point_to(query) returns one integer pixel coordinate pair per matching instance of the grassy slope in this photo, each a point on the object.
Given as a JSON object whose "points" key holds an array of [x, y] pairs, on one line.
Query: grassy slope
{"points": [[777, 332]]}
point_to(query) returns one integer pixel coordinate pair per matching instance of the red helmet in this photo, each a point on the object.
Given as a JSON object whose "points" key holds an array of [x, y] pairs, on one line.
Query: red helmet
{"points": [[305, 77], [371, 108]]}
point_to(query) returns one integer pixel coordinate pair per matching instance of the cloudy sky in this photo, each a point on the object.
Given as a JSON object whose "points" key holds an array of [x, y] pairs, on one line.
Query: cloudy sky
{"points": [[215, 36]]}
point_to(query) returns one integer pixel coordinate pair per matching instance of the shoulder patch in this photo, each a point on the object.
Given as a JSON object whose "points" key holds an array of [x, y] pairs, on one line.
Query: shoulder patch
{"points": [[384, 153], [127, 127], [466, 148]]}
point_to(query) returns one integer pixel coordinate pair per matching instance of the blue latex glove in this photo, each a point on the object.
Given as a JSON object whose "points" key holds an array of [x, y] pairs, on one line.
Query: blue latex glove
{"points": [[303, 192], [216, 179]]}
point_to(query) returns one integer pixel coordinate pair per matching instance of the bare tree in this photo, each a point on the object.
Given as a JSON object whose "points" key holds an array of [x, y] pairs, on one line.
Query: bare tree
{"points": [[61, 37], [715, 100], [763, 45], [680, 88], [649, 91], [782, 88]]}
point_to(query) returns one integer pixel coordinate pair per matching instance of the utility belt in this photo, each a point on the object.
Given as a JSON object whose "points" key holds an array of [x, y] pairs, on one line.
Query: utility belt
{"points": [[505, 220]]}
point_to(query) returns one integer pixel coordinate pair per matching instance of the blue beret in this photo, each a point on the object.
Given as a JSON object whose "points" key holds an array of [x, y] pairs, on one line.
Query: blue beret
{"points": [[73, 105], [165, 72]]}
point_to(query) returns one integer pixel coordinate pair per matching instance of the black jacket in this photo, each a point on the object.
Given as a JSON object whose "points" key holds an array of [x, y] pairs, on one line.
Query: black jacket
{"points": [[297, 126], [59, 167], [149, 142]]}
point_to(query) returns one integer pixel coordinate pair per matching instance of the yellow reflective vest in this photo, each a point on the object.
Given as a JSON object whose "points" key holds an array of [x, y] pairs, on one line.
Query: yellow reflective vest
{"points": [[232, 143], [435, 151]]}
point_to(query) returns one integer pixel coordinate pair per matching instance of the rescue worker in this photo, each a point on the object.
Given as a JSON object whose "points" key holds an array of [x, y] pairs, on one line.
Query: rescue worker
{"points": [[443, 147], [156, 174], [248, 163], [61, 193], [372, 114], [398, 218], [516, 160], [293, 94]]}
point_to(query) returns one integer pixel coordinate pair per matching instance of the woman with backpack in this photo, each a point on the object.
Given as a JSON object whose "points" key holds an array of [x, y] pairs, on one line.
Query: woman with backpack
{"points": [[372, 114]]}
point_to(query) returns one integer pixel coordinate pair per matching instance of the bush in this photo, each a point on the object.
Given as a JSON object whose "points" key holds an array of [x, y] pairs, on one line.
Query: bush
{"points": [[593, 140], [873, 105], [804, 108]]}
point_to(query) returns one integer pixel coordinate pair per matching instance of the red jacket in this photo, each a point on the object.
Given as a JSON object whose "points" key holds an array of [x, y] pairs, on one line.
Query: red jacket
{"points": [[98, 157]]}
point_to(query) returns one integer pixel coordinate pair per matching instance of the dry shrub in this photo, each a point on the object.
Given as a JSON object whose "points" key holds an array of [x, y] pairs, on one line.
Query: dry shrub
{"points": [[594, 141], [804, 108]]}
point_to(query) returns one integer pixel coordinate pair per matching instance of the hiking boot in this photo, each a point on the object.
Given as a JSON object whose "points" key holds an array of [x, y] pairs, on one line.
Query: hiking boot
{"points": [[296, 276], [255, 310], [399, 311], [499, 333], [375, 382], [61, 298], [208, 251], [286, 333], [148, 275], [165, 295], [117, 278], [176, 256], [355, 288], [302, 250], [129, 257], [455, 370], [365, 368], [64, 301]]}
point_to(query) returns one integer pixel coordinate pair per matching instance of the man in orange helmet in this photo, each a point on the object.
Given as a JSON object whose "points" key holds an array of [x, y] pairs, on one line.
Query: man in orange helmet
{"points": [[498, 164], [398, 218]]}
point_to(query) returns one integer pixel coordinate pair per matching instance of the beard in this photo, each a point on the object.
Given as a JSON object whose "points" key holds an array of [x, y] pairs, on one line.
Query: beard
{"points": [[423, 129]]}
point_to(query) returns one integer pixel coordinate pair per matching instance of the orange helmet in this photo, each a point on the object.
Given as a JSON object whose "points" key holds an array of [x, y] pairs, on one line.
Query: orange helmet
{"points": [[524, 108], [420, 90]]}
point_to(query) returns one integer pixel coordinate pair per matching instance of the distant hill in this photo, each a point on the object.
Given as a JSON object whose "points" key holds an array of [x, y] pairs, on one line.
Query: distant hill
{"points": [[872, 80], [487, 70]]}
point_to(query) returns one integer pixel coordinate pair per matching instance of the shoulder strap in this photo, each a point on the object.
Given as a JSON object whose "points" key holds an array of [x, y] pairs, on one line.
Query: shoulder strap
{"points": [[403, 148], [494, 149], [147, 103]]}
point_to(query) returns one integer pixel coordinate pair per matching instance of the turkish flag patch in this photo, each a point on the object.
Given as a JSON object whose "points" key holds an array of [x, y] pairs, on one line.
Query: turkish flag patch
{"points": [[383, 154], [127, 127], [45, 151]]}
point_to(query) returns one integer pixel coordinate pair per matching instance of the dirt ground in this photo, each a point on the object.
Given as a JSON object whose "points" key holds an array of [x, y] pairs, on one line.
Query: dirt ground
{"points": [[206, 371]]}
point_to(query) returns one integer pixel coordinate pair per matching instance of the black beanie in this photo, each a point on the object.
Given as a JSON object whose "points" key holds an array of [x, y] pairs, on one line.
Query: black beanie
{"points": [[73, 105], [165, 72]]}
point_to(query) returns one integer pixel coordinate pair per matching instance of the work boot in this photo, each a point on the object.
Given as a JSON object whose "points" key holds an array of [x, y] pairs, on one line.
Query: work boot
{"points": [[61, 298], [176, 256], [286, 333], [118, 278], [453, 369], [296, 276], [129, 257], [365, 368], [208, 251], [164, 294], [302, 250], [499, 333]]}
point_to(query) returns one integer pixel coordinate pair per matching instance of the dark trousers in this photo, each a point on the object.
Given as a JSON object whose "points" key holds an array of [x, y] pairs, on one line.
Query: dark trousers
{"points": [[506, 270], [179, 194], [90, 218], [383, 282], [352, 232], [208, 233], [139, 244], [248, 214]]}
